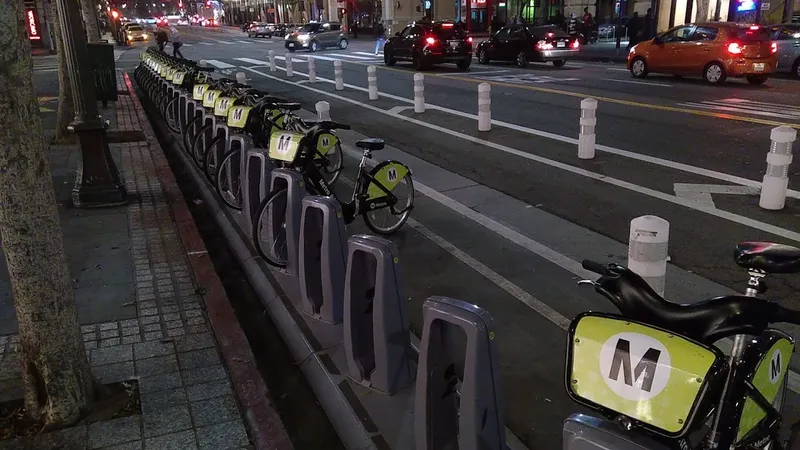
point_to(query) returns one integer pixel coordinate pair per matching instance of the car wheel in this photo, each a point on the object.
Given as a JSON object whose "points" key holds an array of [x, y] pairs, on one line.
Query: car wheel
{"points": [[714, 73], [796, 68], [483, 57], [388, 59], [417, 62], [464, 64], [559, 62], [292, 49], [638, 67], [314, 46], [343, 44], [757, 79], [522, 60]]}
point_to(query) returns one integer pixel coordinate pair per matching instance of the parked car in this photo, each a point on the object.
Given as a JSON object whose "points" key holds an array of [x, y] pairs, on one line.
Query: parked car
{"points": [[430, 42], [315, 36], [787, 38], [524, 43], [135, 32], [261, 29], [715, 51]]}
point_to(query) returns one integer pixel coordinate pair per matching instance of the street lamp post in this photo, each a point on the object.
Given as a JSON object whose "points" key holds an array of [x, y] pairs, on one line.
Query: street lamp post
{"points": [[97, 183]]}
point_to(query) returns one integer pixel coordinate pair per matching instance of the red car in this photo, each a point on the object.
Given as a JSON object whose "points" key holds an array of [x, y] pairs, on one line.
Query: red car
{"points": [[162, 22]]}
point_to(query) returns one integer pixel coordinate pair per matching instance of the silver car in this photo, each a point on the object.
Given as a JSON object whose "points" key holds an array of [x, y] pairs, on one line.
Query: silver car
{"points": [[261, 29], [316, 36], [787, 39], [135, 33]]}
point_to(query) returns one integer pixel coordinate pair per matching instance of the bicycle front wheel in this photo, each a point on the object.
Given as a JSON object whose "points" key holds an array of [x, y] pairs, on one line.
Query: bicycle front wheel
{"points": [[228, 181], [389, 219], [269, 229], [330, 164]]}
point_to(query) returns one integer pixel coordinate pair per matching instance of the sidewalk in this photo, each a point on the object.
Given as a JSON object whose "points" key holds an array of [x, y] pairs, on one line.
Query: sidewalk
{"points": [[152, 310]]}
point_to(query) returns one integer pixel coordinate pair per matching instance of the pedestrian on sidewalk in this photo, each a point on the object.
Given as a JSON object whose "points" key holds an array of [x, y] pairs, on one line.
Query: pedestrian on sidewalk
{"points": [[176, 43], [380, 38], [634, 28]]}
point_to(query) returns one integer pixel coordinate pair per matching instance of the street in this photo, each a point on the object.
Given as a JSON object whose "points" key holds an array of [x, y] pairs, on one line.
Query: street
{"points": [[503, 218]]}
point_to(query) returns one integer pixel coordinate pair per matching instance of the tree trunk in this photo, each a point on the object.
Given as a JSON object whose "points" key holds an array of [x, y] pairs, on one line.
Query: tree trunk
{"points": [[89, 12], [702, 10], [55, 371], [66, 107]]}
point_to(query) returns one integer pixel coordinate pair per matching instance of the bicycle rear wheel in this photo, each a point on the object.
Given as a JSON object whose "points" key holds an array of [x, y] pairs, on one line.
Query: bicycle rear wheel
{"points": [[269, 229], [228, 180], [389, 219], [197, 145], [331, 164], [210, 162], [172, 116], [188, 135]]}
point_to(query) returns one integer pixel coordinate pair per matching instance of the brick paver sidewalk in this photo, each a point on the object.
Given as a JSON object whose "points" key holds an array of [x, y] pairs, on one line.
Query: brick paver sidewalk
{"points": [[152, 309]]}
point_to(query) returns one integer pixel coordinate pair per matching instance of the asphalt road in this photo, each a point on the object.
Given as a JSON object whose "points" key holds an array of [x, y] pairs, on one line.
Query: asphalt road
{"points": [[503, 217]]}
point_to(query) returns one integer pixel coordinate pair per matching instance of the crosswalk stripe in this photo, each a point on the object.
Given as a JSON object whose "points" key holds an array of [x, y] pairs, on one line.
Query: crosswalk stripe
{"points": [[245, 42], [349, 55], [369, 54], [206, 43], [257, 62], [717, 107], [219, 64], [223, 42], [745, 102]]}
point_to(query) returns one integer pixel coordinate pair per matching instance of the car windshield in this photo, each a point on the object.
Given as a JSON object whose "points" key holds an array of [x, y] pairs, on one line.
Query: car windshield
{"points": [[752, 34], [448, 30], [134, 28], [309, 27], [541, 32]]}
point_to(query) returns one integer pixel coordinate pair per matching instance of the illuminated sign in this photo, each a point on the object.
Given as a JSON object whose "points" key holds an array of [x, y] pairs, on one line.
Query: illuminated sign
{"points": [[746, 5], [33, 30]]}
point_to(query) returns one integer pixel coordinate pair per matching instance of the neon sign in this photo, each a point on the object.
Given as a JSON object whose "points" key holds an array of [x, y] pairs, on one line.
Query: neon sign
{"points": [[746, 5], [33, 30]]}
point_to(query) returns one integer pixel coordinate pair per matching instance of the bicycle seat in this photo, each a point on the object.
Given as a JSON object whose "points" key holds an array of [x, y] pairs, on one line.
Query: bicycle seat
{"points": [[371, 144], [706, 321], [767, 257]]}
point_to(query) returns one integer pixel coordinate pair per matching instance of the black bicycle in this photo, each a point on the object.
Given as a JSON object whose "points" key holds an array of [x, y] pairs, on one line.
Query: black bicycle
{"points": [[374, 192]]}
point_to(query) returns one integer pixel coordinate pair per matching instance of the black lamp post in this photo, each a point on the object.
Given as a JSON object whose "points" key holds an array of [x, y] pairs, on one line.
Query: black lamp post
{"points": [[97, 183]]}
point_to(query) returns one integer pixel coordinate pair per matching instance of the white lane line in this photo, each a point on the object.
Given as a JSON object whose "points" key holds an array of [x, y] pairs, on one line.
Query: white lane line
{"points": [[670, 198], [245, 42], [205, 43], [222, 42], [350, 55], [523, 241], [373, 55], [219, 64], [646, 83], [476, 72], [604, 148], [617, 69], [715, 107]]}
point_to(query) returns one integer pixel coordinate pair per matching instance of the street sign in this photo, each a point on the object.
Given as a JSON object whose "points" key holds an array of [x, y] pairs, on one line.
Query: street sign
{"points": [[765, 6]]}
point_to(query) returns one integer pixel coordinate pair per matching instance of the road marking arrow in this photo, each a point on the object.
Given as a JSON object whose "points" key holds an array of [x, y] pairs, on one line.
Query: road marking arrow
{"points": [[701, 193]]}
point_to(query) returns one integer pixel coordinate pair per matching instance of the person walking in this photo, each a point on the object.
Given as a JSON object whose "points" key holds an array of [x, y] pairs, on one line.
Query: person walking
{"points": [[161, 38], [380, 37], [176, 42], [634, 28]]}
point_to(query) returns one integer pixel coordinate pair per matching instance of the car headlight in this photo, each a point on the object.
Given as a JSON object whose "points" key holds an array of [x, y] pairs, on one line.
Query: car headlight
{"points": [[304, 37]]}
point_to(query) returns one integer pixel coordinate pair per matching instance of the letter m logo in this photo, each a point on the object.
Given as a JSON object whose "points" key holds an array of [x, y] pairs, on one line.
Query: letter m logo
{"points": [[237, 114], [775, 366], [645, 368]]}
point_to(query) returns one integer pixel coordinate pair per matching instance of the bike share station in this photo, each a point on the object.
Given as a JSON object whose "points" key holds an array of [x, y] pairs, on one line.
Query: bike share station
{"points": [[349, 292], [442, 391]]}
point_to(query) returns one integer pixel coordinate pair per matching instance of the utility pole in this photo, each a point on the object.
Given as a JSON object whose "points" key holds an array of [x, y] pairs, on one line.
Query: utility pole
{"points": [[97, 183]]}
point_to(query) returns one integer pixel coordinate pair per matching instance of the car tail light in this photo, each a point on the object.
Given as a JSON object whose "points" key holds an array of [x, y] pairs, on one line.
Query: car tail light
{"points": [[754, 27], [550, 34], [543, 45], [576, 44], [773, 47], [734, 48], [430, 40], [469, 40], [447, 25]]}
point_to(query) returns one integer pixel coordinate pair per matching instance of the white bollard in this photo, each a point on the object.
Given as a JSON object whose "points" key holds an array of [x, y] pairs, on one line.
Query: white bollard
{"points": [[272, 66], [323, 110], [419, 93], [588, 123], [337, 75], [289, 71], [776, 180], [372, 82], [312, 70], [484, 107], [241, 78], [647, 250]]}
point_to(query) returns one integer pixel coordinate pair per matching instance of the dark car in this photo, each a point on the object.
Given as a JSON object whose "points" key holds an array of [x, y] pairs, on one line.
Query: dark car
{"points": [[429, 43], [524, 43]]}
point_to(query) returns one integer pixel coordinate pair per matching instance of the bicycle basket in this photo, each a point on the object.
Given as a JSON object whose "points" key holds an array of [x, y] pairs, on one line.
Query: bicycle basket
{"points": [[285, 146], [652, 376]]}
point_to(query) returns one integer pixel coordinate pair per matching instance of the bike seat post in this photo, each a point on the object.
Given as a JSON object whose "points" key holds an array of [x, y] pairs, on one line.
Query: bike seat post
{"points": [[755, 285]]}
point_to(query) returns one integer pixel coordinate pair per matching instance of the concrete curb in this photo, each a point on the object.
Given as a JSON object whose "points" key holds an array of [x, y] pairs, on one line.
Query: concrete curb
{"points": [[263, 420]]}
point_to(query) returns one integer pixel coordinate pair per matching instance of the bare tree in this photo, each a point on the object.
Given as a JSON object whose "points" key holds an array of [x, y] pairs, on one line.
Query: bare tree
{"points": [[55, 371], [89, 12], [66, 107]]}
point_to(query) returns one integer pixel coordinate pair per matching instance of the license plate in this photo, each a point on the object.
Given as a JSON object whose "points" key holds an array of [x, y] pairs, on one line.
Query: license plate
{"points": [[291, 44], [561, 44], [454, 44], [758, 67]]}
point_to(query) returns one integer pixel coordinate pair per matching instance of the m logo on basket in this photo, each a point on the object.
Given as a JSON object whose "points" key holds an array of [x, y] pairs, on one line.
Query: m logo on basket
{"points": [[283, 143], [775, 367], [237, 114], [635, 366]]}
